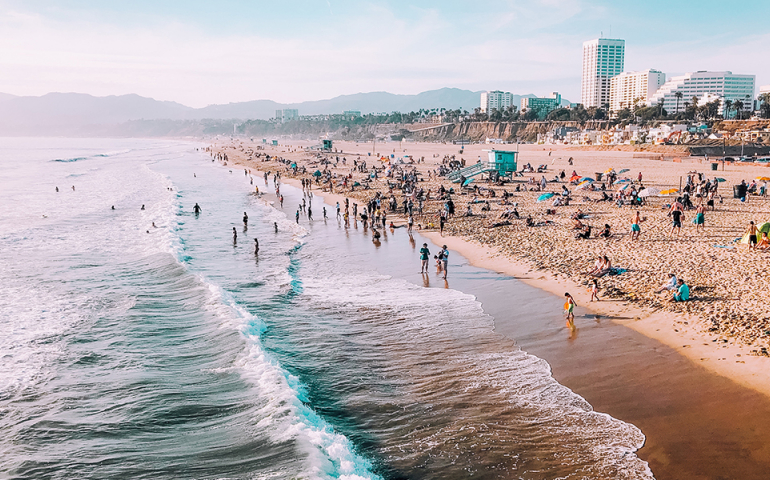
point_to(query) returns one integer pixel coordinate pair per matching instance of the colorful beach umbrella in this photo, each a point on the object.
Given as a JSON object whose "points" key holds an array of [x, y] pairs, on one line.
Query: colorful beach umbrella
{"points": [[609, 170], [720, 179], [586, 179], [583, 185], [544, 197], [467, 182], [762, 179], [317, 173], [622, 180], [624, 170], [669, 191], [649, 192], [624, 187]]}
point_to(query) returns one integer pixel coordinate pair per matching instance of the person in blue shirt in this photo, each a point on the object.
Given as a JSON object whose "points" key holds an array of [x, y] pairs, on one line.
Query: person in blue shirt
{"points": [[424, 257], [683, 292]]}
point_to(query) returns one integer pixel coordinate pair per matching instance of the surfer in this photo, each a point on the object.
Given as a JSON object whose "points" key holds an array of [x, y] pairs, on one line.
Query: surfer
{"points": [[197, 209]]}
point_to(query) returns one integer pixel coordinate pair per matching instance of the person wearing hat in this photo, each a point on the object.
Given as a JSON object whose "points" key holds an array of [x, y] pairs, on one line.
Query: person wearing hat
{"points": [[444, 255]]}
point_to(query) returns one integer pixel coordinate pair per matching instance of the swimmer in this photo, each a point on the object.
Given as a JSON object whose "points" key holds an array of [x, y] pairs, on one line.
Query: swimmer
{"points": [[57, 189], [197, 210], [142, 207], [194, 175], [245, 220], [73, 188], [113, 207], [153, 225]]}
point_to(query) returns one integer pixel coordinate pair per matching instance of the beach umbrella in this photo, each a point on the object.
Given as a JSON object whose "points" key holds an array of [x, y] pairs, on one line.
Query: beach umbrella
{"points": [[624, 170], [467, 182], [649, 192], [583, 185], [317, 173], [609, 170], [585, 179], [669, 191], [762, 179], [720, 179], [622, 180], [545, 196], [624, 187]]}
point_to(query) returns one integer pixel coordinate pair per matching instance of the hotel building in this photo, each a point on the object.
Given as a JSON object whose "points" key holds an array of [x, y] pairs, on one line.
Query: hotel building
{"points": [[603, 58], [726, 85], [495, 100], [630, 88]]}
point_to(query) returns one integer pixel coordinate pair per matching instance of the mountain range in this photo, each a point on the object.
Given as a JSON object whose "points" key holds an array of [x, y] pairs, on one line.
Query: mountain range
{"points": [[70, 113]]}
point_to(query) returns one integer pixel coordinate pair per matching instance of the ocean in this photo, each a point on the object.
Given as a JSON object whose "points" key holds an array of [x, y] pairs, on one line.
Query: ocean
{"points": [[145, 341]]}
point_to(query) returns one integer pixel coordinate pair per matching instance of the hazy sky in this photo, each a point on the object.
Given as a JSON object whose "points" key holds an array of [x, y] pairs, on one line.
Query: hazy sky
{"points": [[204, 52]]}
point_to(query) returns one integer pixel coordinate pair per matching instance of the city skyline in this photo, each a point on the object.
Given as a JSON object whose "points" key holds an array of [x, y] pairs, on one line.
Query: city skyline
{"points": [[196, 54]]}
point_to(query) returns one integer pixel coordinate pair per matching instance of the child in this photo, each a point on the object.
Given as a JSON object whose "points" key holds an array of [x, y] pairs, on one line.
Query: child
{"points": [[569, 307], [594, 290]]}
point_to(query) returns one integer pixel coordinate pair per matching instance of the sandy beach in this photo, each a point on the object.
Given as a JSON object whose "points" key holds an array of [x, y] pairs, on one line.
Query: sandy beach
{"points": [[722, 329]]}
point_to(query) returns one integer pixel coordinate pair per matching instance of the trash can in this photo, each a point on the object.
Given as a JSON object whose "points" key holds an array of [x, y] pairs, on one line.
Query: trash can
{"points": [[599, 176], [714, 166], [739, 191]]}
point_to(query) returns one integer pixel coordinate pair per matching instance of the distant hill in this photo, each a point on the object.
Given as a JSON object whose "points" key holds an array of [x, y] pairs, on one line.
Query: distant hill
{"points": [[77, 113]]}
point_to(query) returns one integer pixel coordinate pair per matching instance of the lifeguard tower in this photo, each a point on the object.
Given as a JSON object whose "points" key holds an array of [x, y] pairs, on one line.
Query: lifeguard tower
{"points": [[501, 162], [326, 145]]}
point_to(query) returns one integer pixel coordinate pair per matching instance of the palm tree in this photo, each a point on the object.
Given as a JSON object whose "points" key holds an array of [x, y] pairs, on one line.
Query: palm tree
{"points": [[678, 95], [738, 108], [728, 107]]}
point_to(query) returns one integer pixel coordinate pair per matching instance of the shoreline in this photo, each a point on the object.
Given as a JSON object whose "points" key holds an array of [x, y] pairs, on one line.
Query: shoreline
{"points": [[673, 329], [662, 431]]}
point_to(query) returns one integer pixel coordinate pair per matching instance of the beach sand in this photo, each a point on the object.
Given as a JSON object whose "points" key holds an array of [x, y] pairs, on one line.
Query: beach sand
{"points": [[721, 332]]}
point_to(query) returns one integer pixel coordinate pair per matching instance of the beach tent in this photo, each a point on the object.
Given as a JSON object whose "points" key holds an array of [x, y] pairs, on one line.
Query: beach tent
{"points": [[545, 196]]}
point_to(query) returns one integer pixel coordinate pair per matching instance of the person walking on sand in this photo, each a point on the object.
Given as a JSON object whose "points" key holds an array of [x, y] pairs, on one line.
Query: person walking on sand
{"points": [[569, 309], [752, 232], [424, 257], [636, 230], [594, 290], [677, 215], [700, 218]]}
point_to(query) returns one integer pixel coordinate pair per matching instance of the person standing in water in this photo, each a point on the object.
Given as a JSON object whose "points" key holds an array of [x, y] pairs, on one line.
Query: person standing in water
{"points": [[309, 212], [256, 246], [324, 213], [424, 257], [569, 309], [57, 189], [444, 259], [281, 201], [197, 209], [245, 220], [235, 236], [275, 225], [296, 217]]}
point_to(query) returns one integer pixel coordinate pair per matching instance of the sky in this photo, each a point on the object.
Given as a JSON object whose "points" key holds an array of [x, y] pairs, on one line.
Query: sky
{"points": [[211, 52]]}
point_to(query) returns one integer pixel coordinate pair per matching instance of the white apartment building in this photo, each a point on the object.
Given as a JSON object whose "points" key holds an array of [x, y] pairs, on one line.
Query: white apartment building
{"points": [[603, 58], [762, 90], [628, 88], [726, 85], [495, 99]]}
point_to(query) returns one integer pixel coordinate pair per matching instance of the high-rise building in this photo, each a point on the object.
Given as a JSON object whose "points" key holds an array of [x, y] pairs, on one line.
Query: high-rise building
{"points": [[603, 58], [678, 92], [630, 88], [495, 99], [287, 114], [543, 106]]}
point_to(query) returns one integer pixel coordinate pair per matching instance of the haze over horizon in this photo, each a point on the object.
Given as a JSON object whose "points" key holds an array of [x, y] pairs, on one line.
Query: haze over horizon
{"points": [[198, 54]]}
